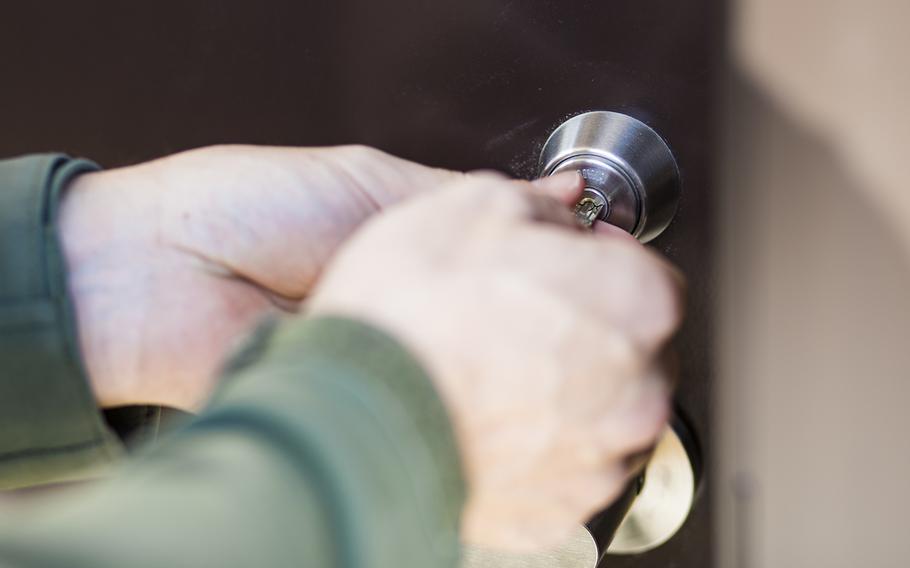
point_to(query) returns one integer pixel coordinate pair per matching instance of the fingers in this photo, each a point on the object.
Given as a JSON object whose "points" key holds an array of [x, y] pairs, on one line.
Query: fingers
{"points": [[587, 493], [617, 266], [592, 269], [607, 230], [626, 407], [565, 187], [618, 282], [545, 200], [493, 286], [546, 209], [653, 303], [637, 417], [552, 198]]}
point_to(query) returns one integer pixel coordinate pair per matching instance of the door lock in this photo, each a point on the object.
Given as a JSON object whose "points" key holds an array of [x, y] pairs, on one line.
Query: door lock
{"points": [[631, 177]]}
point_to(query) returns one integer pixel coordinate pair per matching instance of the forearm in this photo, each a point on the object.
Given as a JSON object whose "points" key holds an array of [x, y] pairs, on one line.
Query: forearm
{"points": [[327, 447]]}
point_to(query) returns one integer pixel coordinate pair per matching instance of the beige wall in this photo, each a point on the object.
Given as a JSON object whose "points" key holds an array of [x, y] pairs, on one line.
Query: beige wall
{"points": [[813, 405], [839, 69]]}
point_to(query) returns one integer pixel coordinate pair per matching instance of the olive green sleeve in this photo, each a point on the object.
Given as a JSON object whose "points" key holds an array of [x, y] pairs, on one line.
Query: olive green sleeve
{"points": [[326, 447], [50, 427]]}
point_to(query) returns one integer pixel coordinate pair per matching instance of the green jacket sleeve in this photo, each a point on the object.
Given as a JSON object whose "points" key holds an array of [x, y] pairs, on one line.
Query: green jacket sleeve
{"points": [[327, 446], [50, 427]]}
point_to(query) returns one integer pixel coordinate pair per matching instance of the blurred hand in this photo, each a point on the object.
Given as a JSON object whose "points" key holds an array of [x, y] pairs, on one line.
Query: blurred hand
{"points": [[172, 261], [541, 339]]}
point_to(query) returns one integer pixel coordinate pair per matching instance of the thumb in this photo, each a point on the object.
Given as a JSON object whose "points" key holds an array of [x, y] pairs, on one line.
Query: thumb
{"points": [[565, 187]]}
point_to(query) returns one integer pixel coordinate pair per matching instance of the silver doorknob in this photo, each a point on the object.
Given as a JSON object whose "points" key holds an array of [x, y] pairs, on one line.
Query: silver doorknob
{"points": [[631, 177]]}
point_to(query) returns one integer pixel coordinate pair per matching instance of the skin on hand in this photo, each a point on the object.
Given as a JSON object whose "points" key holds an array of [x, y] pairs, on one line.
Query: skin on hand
{"points": [[541, 337], [542, 340], [172, 262]]}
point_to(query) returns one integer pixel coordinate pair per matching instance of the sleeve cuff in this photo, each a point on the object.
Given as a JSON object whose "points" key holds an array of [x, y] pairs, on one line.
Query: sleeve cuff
{"points": [[50, 427], [355, 401]]}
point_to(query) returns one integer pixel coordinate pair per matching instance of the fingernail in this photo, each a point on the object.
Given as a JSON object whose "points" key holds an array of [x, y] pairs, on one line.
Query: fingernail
{"points": [[565, 187]]}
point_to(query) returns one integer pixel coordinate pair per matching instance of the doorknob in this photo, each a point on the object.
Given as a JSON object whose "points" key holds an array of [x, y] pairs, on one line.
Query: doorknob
{"points": [[631, 177]]}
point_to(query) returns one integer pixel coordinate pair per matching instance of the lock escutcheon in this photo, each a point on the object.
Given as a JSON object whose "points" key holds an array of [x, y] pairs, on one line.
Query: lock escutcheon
{"points": [[627, 167]]}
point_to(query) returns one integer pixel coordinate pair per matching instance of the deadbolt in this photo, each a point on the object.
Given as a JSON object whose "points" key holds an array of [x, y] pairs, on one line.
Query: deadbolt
{"points": [[631, 177]]}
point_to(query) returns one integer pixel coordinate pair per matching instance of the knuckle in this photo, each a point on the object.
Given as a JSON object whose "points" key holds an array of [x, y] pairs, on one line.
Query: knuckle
{"points": [[495, 196], [639, 419], [654, 413], [625, 357], [361, 152], [653, 298], [667, 300], [610, 484], [464, 194]]}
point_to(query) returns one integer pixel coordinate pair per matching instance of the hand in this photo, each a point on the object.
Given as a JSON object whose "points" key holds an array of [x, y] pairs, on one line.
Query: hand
{"points": [[541, 339], [172, 261]]}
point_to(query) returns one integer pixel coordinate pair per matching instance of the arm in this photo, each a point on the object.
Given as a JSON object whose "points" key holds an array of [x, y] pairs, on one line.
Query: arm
{"points": [[168, 264], [328, 446], [331, 460]]}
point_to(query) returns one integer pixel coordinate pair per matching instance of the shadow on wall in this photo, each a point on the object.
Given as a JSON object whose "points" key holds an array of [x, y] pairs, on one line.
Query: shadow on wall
{"points": [[814, 344]]}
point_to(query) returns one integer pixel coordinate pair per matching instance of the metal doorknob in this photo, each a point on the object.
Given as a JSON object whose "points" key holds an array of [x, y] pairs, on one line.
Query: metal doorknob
{"points": [[631, 177]]}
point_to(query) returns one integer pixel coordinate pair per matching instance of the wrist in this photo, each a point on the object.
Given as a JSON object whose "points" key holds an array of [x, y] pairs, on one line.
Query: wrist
{"points": [[81, 229]]}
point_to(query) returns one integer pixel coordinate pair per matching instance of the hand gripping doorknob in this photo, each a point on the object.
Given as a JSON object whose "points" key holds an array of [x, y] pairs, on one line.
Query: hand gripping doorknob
{"points": [[631, 181]]}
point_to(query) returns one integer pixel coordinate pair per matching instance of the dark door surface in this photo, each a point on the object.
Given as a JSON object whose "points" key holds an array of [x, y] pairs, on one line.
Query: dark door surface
{"points": [[462, 84]]}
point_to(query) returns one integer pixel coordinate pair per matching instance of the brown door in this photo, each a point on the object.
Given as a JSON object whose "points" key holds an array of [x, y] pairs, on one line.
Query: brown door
{"points": [[463, 84]]}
